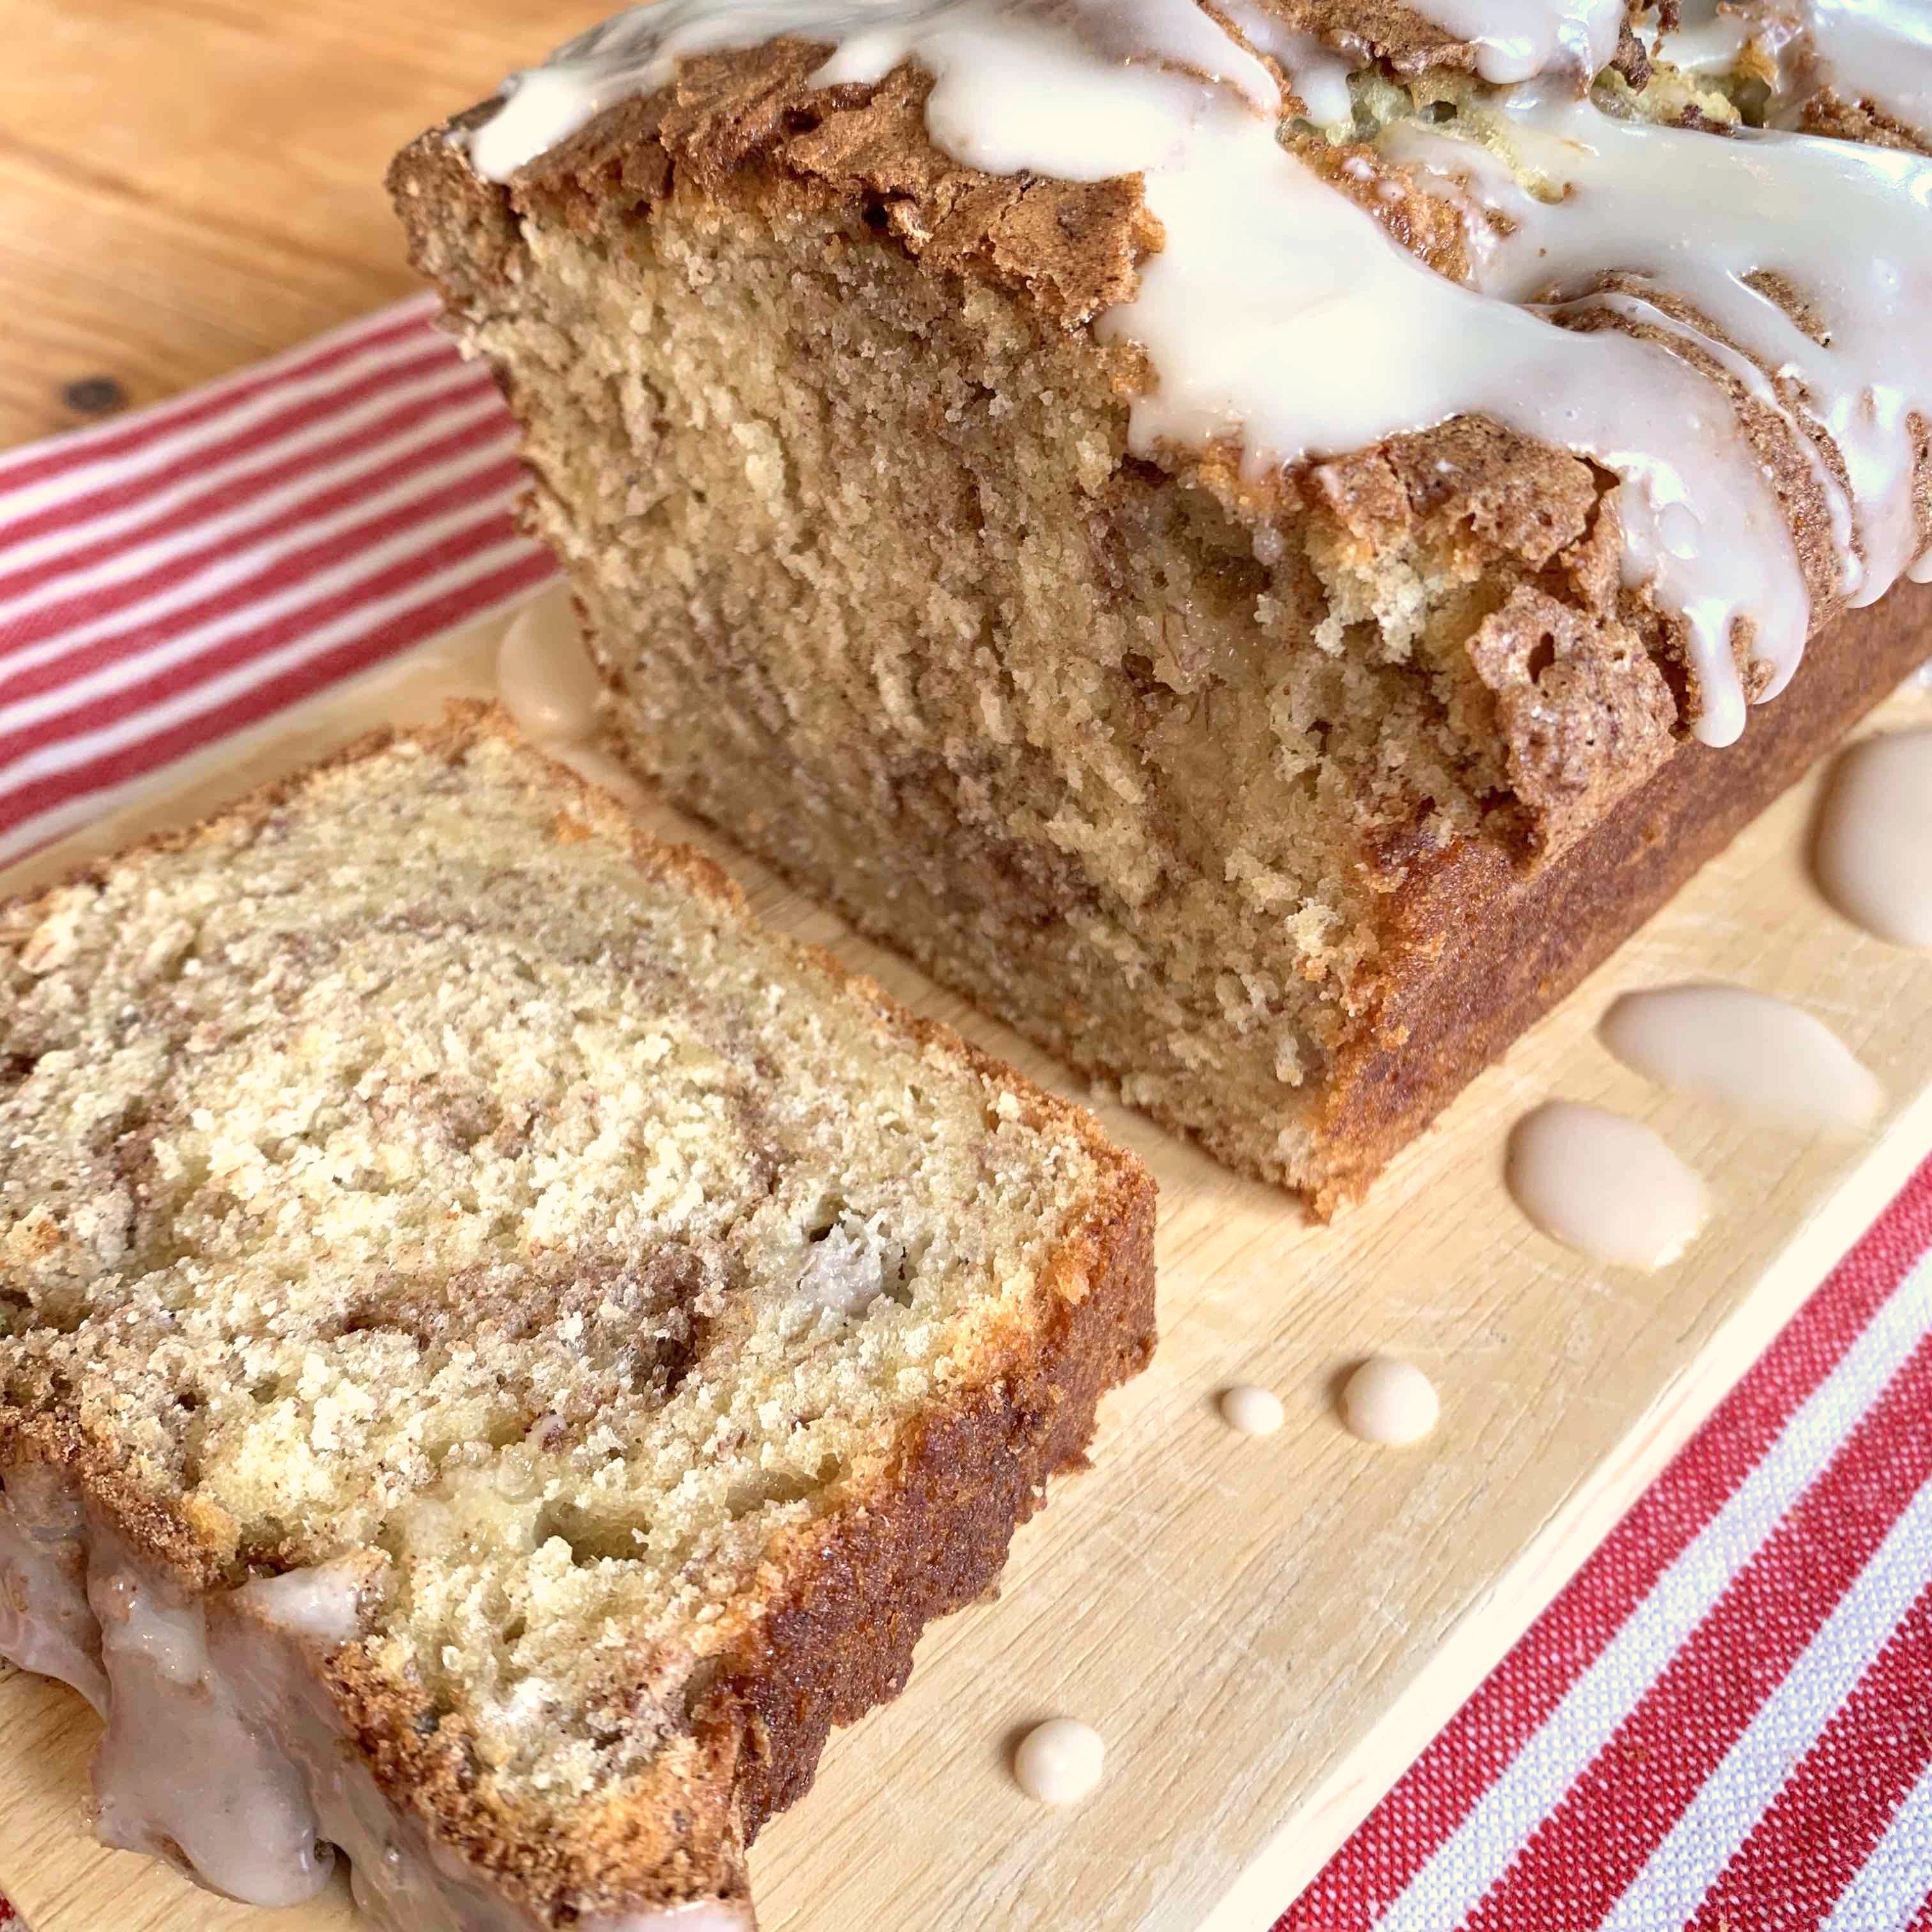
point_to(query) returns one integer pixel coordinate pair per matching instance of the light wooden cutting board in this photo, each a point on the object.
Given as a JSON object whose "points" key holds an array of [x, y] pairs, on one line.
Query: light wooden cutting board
{"points": [[1266, 1631]]}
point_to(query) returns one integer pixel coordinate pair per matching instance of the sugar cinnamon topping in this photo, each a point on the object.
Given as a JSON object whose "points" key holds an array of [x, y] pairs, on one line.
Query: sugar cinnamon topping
{"points": [[1728, 326]]}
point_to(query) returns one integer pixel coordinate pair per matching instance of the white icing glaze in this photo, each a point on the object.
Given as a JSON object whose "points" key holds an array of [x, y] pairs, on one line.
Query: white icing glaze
{"points": [[1871, 853], [1266, 271], [544, 675], [45, 1623], [1605, 1185], [1697, 215], [322, 1605], [1319, 76], [1704, 41], [223, 1752], [1061, 1761], [1747, 1050], [1516, 40], [1322, 286], [183, 1771], [1389, 1401], [1252, 1411], [547, 682], [631, 54], [1879, 51]]}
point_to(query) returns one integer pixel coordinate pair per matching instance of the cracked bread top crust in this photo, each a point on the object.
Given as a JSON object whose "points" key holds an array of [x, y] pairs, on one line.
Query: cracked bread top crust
{"points": [[419, 1161], [1406, 40]]}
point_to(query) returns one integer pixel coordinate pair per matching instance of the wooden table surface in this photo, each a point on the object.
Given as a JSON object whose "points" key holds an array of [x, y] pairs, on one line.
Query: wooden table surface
{"points": [[186, 185]]}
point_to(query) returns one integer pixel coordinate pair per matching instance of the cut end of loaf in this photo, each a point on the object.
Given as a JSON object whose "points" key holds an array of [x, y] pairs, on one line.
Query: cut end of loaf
{"points": [[420, 1164]]}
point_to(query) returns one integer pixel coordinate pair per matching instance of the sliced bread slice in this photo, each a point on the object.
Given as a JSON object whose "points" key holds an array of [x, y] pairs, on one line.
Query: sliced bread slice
{"points": [[500, 1353]]}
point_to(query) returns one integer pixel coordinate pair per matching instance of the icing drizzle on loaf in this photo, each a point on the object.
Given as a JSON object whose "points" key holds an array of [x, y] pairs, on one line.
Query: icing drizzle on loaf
{"points": [[1517, 39], [1798, 268], [1873, 53]]}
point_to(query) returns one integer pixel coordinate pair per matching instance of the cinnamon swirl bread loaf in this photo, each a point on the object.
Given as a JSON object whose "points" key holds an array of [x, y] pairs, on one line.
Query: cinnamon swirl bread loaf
{"points": [[1257, 539]]}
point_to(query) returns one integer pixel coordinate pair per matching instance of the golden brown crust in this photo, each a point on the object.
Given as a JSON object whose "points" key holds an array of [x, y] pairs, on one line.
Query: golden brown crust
{"points": [[1510, 499], [843, 1640], [1486, 948], [748, 126], [1584, 712], [847, 1597]]}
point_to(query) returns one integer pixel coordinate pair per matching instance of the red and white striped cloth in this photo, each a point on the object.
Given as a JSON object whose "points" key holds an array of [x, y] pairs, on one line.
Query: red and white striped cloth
{"points": [[169, 578], [1724, 1723]]}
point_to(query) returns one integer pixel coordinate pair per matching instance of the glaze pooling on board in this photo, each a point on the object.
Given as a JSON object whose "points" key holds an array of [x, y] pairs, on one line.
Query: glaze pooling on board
{"points": [[544, 676], [1753, 1054], [546, 680], [1267, 271], [1607, 1187], [222, 1753], [1871, 852]]}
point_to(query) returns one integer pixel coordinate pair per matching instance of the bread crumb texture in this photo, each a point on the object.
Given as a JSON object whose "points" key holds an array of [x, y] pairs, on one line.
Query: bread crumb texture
{"points": [[417, 1165]]}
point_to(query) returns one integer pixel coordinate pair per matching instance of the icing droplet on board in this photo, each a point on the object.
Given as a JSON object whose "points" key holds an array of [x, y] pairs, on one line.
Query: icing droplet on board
{"points": [[1061, 1761], [1755, 1054], [1252, 1411], [1871, 853], [1605, 1185], [544, 675], [1389, 1401]]}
